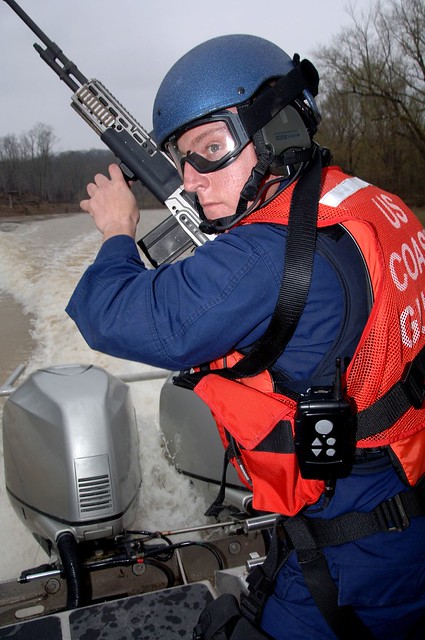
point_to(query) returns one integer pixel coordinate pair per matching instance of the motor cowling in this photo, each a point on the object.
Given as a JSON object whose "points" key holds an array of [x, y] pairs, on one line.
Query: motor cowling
{"points": [[70, 445]]}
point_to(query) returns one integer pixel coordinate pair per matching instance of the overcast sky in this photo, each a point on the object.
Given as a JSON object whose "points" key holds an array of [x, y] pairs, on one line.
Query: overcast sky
{"points": [[129, 45]]}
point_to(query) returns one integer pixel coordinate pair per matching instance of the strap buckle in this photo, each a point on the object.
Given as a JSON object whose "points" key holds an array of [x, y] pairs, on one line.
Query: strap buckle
{"points": [[393, 513], [413, 384]]}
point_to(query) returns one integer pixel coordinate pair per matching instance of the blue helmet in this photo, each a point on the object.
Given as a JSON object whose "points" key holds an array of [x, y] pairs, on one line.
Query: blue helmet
{"points": [[222, 72], [274, 97]]}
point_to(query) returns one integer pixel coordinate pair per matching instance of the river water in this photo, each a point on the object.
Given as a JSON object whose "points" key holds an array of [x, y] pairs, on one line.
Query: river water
{"points": [[41, 261]]}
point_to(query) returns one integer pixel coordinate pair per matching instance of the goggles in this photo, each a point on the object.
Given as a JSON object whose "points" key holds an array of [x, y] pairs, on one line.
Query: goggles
{"points": [[215, 142]]}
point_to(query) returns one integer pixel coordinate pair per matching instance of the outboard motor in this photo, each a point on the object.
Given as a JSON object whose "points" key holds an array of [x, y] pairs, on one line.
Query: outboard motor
{"points": [[71, 458]]}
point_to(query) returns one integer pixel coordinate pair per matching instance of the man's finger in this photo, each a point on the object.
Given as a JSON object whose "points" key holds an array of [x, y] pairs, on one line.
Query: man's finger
{"points": [[116, 173], [85, 205]]}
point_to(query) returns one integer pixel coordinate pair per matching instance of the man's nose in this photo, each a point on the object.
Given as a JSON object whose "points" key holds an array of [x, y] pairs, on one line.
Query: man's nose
{"points": [[192, 179]]}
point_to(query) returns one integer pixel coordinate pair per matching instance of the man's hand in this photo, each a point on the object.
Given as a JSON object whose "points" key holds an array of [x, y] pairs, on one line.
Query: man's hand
{"points": [[111, 204]]}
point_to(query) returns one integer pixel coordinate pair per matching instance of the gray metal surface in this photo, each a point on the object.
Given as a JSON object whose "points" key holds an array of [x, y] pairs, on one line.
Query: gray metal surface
{"points": [[192, 438]]}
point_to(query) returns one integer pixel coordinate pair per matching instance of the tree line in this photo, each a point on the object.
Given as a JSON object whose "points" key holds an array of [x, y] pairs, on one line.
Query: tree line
{"points": [[30, 168], [372, 100], [373, 97]]}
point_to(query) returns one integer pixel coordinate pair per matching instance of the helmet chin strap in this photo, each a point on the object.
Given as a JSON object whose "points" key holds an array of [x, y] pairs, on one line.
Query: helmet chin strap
{"points": [[249, 192]]}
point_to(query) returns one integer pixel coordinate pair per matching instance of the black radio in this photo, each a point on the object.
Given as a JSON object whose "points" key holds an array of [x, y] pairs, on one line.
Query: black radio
{"points": [[324, 432]]}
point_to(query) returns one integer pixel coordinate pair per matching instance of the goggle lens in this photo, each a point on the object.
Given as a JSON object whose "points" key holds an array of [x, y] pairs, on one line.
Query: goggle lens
{"points": [[207, 147]]}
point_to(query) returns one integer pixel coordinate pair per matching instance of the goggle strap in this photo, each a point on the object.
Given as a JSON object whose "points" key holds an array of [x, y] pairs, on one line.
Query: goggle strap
{"points": [[265, 157], [276, 97]]}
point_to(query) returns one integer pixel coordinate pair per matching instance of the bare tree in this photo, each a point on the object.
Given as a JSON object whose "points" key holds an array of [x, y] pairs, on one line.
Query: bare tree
{"points": [[25, 161], [43, 139], [10, 156], [374, 90]]}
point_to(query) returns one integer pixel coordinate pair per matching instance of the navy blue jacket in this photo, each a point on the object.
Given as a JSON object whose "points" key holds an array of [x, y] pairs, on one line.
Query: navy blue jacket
{"points": [[219, 299]]}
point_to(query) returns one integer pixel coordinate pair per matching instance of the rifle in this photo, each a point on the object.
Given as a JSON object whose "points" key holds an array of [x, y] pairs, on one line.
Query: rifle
{"points": [[139, 156]]}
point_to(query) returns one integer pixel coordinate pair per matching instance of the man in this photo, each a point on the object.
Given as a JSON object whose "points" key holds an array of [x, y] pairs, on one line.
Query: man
{"points": [[336, 316]]}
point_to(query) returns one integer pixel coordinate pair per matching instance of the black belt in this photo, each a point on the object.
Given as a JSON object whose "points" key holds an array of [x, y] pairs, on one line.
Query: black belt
{"points": [[390, 515]]}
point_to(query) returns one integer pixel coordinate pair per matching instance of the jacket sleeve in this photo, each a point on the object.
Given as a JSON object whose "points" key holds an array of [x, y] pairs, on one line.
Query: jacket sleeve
{"points": [[178, 315]]}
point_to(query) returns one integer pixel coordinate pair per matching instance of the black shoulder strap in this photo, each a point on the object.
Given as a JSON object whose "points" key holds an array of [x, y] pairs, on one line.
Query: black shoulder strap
{"points": [[295, 285]]}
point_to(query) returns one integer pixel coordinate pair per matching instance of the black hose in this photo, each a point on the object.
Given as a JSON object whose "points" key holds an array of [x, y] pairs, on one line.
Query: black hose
{"points": [[68, 551]]}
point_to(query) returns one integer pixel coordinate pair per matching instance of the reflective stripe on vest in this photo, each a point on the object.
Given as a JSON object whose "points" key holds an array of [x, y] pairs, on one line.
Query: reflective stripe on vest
{"points": [[341, 192]]}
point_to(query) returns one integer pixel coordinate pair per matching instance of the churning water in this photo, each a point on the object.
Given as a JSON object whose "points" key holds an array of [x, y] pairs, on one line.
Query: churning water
{"points": [[41, 261]]}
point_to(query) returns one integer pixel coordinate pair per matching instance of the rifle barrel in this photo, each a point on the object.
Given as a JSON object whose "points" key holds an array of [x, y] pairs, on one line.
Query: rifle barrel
{"points": [[30, 23], [52, 52]]}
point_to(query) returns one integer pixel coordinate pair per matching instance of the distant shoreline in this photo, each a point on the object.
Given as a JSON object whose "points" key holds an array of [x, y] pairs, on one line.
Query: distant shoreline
{"points": [[29, 207], [29, 210], [25, 218], [25, 213]]}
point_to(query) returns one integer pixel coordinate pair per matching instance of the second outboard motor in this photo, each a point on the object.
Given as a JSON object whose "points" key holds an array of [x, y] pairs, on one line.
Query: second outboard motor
{"points": [[194, 446]]}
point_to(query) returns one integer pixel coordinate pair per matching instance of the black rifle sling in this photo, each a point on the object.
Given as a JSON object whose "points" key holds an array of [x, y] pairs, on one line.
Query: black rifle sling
{"points": [[295, 285]]}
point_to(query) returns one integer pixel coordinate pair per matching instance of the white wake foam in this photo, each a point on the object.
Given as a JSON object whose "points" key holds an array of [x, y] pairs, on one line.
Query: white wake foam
{"points": [[40, 264]]}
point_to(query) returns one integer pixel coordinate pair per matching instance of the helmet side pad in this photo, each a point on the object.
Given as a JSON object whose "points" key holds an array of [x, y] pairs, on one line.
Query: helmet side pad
{"points": [[289, 133]]}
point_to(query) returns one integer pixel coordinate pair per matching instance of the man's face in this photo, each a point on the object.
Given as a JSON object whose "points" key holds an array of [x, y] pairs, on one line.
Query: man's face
{"points": [[218, 192]]}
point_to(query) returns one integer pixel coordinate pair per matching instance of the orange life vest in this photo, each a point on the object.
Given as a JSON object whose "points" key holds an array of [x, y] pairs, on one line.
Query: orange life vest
{"points": [[392, 242]]}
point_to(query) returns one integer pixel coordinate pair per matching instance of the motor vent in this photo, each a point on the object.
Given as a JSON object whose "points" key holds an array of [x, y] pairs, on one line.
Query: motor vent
{"points": [[95, 496]]}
